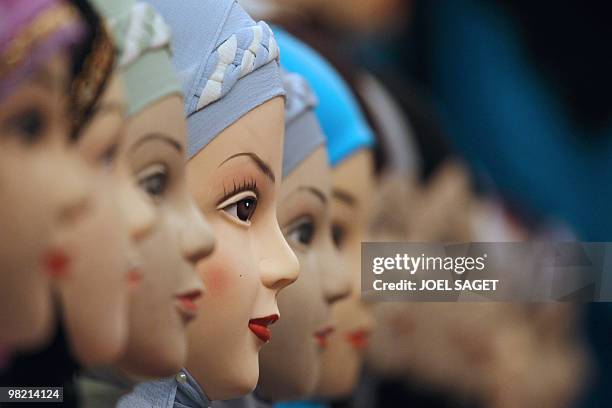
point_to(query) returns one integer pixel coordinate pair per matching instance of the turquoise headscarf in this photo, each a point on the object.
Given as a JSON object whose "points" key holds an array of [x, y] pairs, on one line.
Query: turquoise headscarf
{"points": [[343, 123]]}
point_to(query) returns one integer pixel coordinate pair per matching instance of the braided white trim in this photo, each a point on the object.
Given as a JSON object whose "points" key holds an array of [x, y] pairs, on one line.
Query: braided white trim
{"points": [[300, 96], [138, 31], [257, 50]]}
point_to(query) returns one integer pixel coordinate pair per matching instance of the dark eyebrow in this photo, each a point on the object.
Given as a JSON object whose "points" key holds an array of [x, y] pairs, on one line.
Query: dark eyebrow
{"points": [[318, 193], [262, 165], [345, 197], [158, 136]]}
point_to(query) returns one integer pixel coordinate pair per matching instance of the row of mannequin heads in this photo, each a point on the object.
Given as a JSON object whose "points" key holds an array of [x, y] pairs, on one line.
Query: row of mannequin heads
{"points": [[153, 264]]}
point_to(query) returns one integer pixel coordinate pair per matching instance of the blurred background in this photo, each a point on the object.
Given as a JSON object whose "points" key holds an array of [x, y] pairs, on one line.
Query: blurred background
{"points": [[508, 111]]}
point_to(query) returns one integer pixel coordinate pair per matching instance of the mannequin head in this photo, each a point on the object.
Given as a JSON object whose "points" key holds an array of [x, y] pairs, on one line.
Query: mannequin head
{"points": [[166, 300], [35, 153], [144, 176], [290, 364], [34, 140], [235, 181], [349, 143], [352, 184], [94, 295], [150, 168], [235, 114]]}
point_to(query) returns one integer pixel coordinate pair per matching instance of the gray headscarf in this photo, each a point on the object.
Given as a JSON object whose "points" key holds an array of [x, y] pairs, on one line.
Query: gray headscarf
{"points": [[303, 134], [399, 143], [228, 64]]}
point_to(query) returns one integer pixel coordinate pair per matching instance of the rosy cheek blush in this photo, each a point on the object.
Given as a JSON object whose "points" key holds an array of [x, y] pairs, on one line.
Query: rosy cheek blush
{"points": [[216, 281]]}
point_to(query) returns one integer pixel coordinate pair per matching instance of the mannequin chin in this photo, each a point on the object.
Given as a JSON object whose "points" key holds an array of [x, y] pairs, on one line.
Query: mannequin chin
{"points": [[44, 188], [166, 300], [352, 184], [290, 364], [235, 181]]}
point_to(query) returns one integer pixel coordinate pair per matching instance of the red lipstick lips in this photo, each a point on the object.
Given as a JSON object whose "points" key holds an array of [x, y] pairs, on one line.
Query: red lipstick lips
{"points": [[56, 262], [322, 335], [134, 277], [187, 304], [259, 327], [359, 339]]}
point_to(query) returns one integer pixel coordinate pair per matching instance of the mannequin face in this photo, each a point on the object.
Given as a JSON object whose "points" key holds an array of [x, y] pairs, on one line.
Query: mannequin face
{"points": [[235, 181], [167, 298], [290, 364], [94, 290], [435, 212], [352, 184], [34, 155]]}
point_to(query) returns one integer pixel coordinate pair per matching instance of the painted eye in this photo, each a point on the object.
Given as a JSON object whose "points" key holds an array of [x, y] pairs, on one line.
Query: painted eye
{"points": [[154, 180], [302, 233], [338, 235], [242, 209], [29, 125], [107, 158]]}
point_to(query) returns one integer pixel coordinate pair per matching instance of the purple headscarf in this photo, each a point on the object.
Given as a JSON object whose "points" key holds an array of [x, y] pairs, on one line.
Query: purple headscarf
{"points": [[32, 32]]}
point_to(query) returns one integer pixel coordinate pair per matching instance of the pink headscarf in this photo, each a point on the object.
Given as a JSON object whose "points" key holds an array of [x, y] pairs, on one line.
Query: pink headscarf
{"points": [[31, 32]]}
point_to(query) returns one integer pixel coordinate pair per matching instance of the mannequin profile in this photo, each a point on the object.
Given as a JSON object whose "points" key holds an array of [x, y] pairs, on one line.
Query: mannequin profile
{"points": [[153, 153], [168, 233], [35, 153], [349, 144], [235, 110], [166, 300], [235, 180], [34, 116], [352, 184], [290, 364], [94, 296]]}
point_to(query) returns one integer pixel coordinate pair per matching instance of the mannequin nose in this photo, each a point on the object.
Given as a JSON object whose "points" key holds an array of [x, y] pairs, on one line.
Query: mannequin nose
{"points": [[74, 209], [197, 239], [138, 212], [336, 288], [74, 192], [336, 280], [281, 267]]}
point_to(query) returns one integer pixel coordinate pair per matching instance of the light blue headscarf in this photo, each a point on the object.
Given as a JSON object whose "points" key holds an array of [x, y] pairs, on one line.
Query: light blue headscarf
{"points": [[343, 123], [303, 134], [180, 391], [228, 64]]}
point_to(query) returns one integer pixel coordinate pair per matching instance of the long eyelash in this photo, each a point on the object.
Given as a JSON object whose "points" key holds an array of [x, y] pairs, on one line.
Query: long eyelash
{"points": [[245, 185]]}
